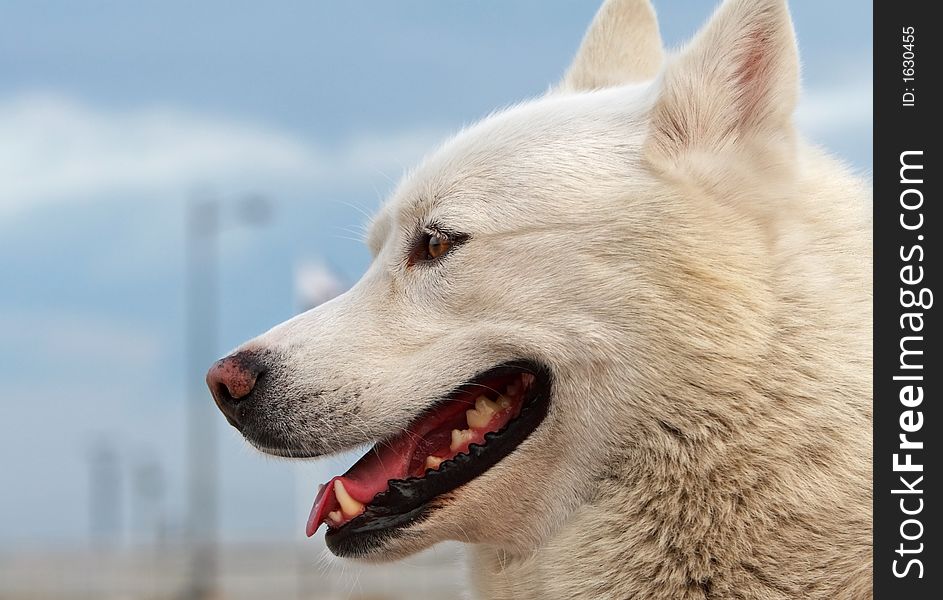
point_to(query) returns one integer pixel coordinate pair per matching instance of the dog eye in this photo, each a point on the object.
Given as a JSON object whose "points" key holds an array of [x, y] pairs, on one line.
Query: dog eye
{"points": [[433, 245], [436, 245]]}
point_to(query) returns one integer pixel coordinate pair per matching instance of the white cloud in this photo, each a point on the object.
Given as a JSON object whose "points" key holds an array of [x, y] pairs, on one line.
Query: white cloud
{"points": [[54, 148], [835, 110]]}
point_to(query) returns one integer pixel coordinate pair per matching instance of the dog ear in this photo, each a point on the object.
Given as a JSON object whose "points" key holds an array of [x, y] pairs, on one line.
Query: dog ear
{"points": [[738, 79], [622, 45]]}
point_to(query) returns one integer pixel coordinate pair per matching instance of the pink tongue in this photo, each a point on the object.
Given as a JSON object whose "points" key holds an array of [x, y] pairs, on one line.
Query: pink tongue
{"points": [[367, 478], [386, 461]]}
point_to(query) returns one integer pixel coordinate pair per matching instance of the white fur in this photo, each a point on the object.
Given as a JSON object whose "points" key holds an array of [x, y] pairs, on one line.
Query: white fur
{"points": [[696, 276]]}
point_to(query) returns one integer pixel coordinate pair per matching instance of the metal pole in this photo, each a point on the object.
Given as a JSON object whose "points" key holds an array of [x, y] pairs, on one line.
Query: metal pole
{"points": [[105, 517], [202, 291]]}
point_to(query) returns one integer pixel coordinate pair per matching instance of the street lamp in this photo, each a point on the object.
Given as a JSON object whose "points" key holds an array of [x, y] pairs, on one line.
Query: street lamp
{"points": [[203, 228]]}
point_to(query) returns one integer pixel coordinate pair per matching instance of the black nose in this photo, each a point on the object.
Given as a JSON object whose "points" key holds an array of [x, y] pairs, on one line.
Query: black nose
{"points": [[231, 381]]}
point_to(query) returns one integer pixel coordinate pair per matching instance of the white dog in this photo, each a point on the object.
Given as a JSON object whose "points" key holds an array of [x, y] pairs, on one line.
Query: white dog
{"points": [[616, 338]]}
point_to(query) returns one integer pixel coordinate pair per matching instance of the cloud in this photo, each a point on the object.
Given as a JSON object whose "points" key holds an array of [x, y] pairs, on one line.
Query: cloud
{"points": [[55, 148], [835, 110]]}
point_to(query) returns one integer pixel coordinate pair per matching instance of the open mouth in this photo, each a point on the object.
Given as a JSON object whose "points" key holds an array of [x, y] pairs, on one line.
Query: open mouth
{"points": [[456, 440]]}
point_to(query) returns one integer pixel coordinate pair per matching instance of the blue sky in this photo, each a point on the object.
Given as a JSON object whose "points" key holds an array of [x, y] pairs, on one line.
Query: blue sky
{"points": [[113, 113]]}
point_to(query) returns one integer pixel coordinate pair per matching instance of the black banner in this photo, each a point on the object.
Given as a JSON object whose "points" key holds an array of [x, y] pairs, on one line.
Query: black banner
{"points": [[908, 371]]}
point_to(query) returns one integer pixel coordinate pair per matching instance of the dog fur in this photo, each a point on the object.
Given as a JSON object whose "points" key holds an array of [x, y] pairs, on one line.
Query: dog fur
{"points": [[698, 279]]}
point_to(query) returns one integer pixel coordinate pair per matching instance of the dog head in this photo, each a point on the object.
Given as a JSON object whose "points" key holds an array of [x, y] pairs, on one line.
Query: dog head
{"points": [[533, 290]]}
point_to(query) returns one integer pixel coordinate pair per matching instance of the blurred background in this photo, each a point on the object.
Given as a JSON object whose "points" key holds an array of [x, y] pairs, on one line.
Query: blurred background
{"points": [[177, 177]]}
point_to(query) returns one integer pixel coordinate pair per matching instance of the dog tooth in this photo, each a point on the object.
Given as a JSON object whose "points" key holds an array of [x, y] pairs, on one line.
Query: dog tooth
{"points": [[480, 416], [433, 462], [476, 419], [459, 438], [349, 505], [486, 405], [336, 516], [503, 402]]}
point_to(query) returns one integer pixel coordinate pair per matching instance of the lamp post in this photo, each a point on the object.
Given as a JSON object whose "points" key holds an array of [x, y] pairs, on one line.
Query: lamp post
{"points": [[203, 228]]}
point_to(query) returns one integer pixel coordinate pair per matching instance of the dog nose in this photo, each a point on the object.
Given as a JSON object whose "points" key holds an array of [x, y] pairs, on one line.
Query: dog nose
{"points": [[231, 381]]}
